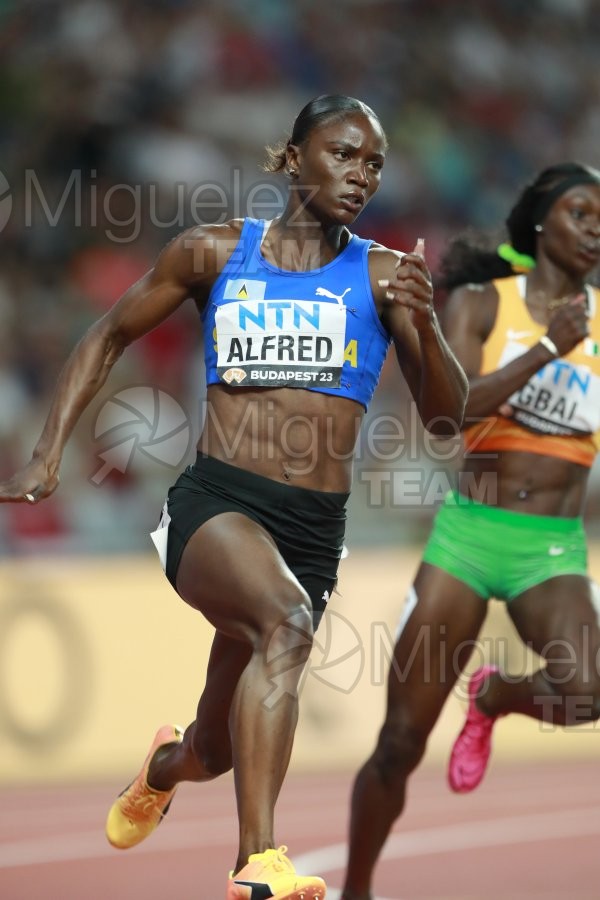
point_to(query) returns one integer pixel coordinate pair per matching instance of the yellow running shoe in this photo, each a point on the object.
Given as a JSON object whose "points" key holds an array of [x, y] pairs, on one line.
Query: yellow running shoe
{"points": [[271, 875], [139, 809]]}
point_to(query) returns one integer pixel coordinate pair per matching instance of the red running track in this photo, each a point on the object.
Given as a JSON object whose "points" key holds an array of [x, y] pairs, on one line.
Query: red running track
{"points": [[528, 832]]}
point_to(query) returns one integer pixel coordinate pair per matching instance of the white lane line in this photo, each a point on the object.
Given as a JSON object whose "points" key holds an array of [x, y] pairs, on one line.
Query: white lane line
{"points": [[421, 842], [175, 834], [495, 832], [93, 844]]}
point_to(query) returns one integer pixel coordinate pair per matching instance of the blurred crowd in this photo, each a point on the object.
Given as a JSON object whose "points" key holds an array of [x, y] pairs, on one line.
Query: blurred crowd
{"points": [[124, 121]]}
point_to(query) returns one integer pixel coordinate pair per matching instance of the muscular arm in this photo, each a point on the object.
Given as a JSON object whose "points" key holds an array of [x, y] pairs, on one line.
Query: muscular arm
{"points": [[186, 268], [435, 378]]}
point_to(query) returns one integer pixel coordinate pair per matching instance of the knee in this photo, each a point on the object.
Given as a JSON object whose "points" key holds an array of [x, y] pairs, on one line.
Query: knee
{"points": [[580, 695], [286, 623], [594, 706], [584, 700], [582, 706], [400, 748]]}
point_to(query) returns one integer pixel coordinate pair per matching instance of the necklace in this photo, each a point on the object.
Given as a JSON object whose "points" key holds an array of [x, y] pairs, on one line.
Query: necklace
{"points": [[551, 305], [560, 301]]}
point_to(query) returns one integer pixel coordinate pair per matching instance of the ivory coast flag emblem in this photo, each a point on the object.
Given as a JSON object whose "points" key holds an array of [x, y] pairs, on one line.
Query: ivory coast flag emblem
{"points": [[591, 347], [244, 289]]}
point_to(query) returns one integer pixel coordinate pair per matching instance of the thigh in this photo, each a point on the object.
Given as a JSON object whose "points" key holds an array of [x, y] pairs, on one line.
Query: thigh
{"points": [[559, 621], [436, 640], [233, 573]]}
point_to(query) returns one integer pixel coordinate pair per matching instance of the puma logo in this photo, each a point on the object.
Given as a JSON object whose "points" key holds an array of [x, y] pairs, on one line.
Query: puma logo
{"points": [[323, 292]]}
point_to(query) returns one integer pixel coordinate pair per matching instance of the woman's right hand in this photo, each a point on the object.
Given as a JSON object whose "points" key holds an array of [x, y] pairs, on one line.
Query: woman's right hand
{"points": [[32, 483], [569, 324]]}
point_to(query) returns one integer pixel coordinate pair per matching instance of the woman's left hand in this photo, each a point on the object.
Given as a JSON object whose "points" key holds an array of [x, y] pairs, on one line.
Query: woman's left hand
{"points": [[411, 287]]}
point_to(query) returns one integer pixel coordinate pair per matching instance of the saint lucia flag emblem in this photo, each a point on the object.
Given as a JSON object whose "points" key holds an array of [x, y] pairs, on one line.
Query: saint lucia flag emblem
{"points": [[591, 347], [244, 289]]}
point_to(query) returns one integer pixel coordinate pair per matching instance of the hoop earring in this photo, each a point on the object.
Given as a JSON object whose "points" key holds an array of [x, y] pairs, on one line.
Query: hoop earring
{"points": [[539, 228]]}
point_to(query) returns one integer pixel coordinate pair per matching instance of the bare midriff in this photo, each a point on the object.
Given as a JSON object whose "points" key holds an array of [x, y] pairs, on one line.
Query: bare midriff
{"points": [[291, 435], [525, 482]]}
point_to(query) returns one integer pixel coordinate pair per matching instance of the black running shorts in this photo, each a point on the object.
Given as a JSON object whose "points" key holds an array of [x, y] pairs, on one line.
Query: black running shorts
{"points": [[307, 526]]}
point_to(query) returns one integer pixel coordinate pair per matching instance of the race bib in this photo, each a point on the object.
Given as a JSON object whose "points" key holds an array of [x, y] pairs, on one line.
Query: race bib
{"points": [[290, 343], [560, 399]]}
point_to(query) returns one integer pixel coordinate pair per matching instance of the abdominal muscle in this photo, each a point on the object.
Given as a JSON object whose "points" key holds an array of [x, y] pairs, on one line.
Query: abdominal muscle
{"points": [[291, 435], [526, 482]]}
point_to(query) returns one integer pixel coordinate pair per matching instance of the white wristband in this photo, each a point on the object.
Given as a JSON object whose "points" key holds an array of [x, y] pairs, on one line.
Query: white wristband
{"points": [[549, 344]]}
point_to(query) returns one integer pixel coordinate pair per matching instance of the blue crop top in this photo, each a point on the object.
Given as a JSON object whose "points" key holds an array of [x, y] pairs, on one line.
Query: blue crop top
{"points": [[317, 330]]}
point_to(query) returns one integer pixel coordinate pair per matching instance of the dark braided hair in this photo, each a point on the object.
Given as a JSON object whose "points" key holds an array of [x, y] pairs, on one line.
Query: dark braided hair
{"points": [[316, 113], [474, 258]]}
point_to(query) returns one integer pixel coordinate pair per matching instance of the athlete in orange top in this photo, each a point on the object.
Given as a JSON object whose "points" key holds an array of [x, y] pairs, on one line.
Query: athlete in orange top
{"points": [[513, 528]]}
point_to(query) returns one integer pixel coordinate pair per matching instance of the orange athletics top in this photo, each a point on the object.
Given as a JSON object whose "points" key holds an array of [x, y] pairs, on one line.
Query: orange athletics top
{"points": [[557, 413]]}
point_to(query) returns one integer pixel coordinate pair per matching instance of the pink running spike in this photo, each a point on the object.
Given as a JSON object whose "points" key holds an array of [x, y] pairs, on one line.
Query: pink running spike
{"points": [[472, 748]]}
